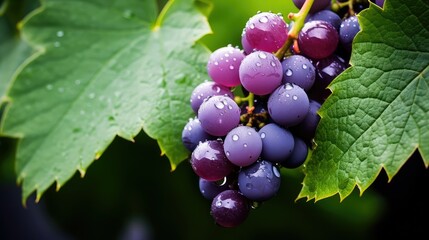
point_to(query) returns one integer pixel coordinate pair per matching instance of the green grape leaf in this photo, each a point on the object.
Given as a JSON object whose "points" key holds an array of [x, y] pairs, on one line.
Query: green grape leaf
{"points": [[103, 69], [378, 112]]}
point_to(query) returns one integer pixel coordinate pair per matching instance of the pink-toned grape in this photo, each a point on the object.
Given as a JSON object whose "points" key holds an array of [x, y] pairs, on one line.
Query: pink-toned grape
{"points": [[223, 66]]}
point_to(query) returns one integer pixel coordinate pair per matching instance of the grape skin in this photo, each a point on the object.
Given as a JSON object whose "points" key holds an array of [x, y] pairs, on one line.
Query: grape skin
{"points": [[318, 39], [299, 70], [277, 143], [230, 208], [218, 115], [223, 65], [242, 146], [288, 105], [193, 134], [260, 72], [207, 89]]}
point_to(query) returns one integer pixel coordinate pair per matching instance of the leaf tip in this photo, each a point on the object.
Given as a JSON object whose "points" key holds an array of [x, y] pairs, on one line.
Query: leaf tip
{"points": [[81, 171], [58, 184]]}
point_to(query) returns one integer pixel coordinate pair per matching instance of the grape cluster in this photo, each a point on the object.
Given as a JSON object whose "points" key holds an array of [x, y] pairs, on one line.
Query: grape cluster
{"points": [[258, 113]]}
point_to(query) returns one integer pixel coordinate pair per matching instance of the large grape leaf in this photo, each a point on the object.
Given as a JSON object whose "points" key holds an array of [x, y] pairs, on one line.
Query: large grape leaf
{"points": [[378, 113], [103, 68]]}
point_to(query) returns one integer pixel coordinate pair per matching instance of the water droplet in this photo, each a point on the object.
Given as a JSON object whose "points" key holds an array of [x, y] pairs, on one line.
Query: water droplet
{"points": [[304, 66], [216, 63], [295, 97], [230, 107], [273, 64], [226, 55], [289, 72], [288, 86], [263, 19], [235, 137], [49, 87], [57, 44], [276, 171], [262, 55], [227, 154], [258, 64], [252, 26], [218, 204], [263, 135], [249, 133], [60, 34], [190, 128], [231, 67], [287, 95], [245, 145], [219, 105]]}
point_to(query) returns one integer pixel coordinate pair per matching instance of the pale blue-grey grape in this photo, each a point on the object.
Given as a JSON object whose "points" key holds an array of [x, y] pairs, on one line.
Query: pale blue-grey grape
{"points": [[207, 89], [298, 156], [277, 142], [193, 134], [299, 70], [288, 105], [219, 115], [243, 146], [259, 181], [348, 30], [260, 72]]}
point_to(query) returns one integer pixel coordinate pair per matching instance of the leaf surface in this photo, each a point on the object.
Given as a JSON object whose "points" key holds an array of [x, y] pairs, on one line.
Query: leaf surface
{"points": [[378, 113], [104, 68]]}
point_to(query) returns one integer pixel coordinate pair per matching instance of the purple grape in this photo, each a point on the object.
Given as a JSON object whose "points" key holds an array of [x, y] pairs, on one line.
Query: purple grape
{"points": [[209, 189], [266, 31], [380, 3], [209, 161], [327, 16], [277, 142], [193, 134], [242, 146], [230, 208], [223, 66], [307, 128], [218, 115], [298, 156], [348, 30], [207, 89], [288, 105], [299, 70], [247, 48], [317, 39], [327, 69], [260, 72], [317, 5], [259, 181]]}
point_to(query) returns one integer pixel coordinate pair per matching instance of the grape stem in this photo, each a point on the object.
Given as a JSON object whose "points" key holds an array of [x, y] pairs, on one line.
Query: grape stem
{"points": [[250, 99], [299, 20]]}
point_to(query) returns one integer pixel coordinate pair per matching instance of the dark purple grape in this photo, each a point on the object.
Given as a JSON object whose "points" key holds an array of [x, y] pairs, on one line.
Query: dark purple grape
{"points": [[259, 181], [193, 134], [327, 16], [317, 5], [223, 66], [209, 189], [230, 208], [288, 105], [207, 89], [348, 30], [218, 115], [209, 161], [298, 156], [307, 128], [299, 70], [260, 72], [317, 39], [266, 31], [243, 146], [327, 69], [277, 142]]}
